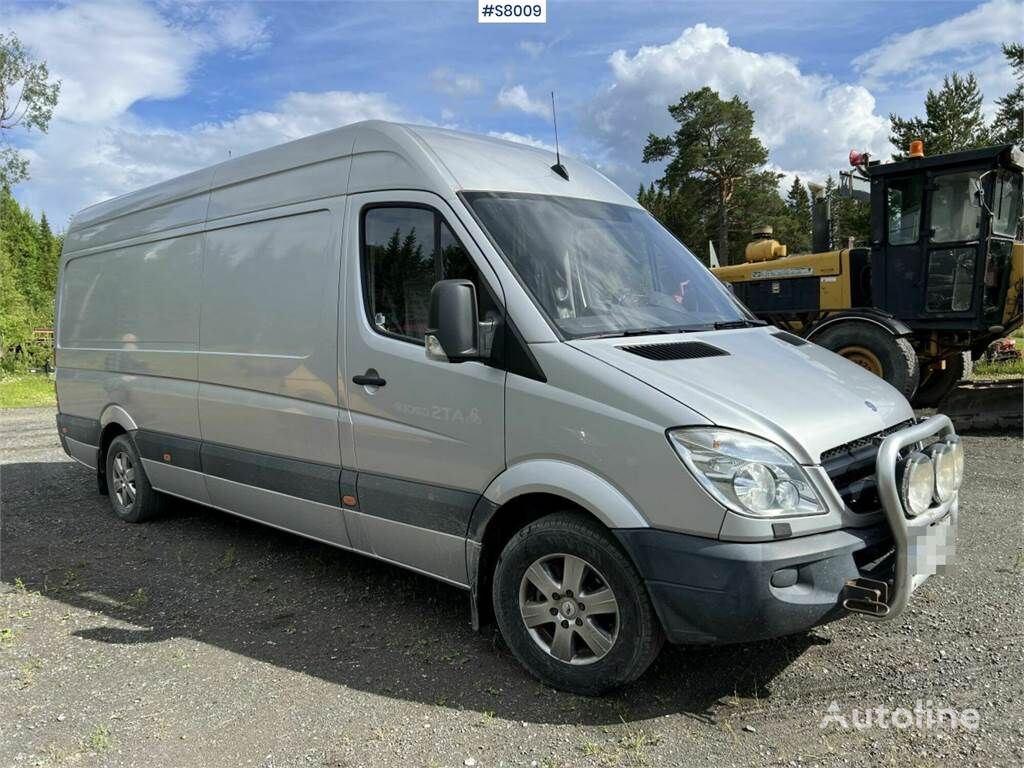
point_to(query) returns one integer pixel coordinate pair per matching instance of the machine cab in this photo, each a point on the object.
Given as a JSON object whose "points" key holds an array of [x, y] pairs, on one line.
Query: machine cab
{"points": [[942, 240]]}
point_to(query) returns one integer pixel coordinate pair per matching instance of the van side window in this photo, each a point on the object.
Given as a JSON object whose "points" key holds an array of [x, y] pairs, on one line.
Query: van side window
{"points": [[903, 204], [406, 250]]}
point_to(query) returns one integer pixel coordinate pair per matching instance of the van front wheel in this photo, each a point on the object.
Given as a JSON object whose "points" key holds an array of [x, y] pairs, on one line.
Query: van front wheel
{"points": [[572, 608]]}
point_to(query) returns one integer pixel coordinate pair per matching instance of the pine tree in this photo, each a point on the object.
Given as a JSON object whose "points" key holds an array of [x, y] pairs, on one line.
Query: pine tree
{"points": [[798, 201], [49, 247], [851, 219], [1008, 126], [15, 312], [953, 120], [713, 151]]}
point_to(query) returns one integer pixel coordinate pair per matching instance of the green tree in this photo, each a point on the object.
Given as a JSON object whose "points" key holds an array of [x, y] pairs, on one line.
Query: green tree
{"points": [[49, 258], [851, 219], [29, 255], [953, 120], [683, 212], [757, 203], [798, 203], [712, 153], [1008, 126], [27, 100]]}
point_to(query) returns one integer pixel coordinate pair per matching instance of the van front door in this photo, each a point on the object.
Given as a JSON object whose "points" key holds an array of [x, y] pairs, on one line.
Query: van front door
{"points": [[429, 436]]}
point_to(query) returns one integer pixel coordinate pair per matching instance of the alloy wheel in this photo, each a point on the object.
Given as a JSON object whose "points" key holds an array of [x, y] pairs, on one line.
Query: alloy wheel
{"points": [[123, 479], [569, 609]]}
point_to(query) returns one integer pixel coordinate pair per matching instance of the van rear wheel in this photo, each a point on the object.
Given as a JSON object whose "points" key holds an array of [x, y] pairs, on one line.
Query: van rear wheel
{"points": [[572, 608], [132, 498]]}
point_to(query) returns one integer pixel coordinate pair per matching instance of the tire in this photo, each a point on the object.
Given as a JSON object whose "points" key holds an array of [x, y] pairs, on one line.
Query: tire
{"points": [[875, 349], [937, 383], [132, 498], [624, 630]]}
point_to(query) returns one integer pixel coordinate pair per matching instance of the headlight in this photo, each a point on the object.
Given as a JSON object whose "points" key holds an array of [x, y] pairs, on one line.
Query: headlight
{"points": [[917, 485], [945, 470], [745, 473]]}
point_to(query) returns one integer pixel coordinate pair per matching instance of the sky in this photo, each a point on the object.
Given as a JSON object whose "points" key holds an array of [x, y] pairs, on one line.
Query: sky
{"points": [[152, 90]]}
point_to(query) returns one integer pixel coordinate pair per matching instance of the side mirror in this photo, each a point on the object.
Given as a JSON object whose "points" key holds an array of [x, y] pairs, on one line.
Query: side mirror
{"points": [[454, 326], [978, 198]]}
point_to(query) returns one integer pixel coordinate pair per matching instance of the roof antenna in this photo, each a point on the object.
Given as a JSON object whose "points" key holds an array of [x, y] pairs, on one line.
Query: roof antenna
{"points": [[557, 167]]}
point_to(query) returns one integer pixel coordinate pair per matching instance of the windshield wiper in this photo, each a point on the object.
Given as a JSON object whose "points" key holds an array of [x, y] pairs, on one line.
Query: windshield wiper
{"points": [[724, 325], [638, 332]]}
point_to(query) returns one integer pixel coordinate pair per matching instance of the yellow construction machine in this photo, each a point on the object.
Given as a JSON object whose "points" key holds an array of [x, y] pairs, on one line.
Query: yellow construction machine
{"points": [[940, 279]]}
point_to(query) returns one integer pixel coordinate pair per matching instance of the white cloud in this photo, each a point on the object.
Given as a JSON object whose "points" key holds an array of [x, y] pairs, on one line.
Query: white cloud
{"points": [[991, 24], [535, 48], [532, 48], [109, 55], [911, 63], [235, 27], [444, 80], [516, 97], [806, 121], [520, 138], [128, 154]]}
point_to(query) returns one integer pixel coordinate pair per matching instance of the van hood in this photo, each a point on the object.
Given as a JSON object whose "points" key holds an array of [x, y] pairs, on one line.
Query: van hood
{"points": [[802, 397]]}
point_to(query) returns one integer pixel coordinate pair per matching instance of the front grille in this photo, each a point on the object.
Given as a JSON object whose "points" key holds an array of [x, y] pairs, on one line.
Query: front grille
{"points": [[872, 439], [851, 468]]}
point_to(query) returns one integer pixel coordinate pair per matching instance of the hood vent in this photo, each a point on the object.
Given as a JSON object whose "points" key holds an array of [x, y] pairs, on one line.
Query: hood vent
{"points": [[681, 350], [790, 338]]}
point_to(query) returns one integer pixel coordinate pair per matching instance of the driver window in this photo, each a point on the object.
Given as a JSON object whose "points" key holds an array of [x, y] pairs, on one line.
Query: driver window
{"points": [[903, 210], [953, 218], [406, 250]]}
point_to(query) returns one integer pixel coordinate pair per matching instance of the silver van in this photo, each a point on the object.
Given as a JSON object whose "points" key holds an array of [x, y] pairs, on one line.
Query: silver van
{"points": [[460, 356]]}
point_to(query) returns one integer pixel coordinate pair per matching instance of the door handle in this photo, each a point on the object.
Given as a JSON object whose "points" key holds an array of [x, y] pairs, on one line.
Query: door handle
{"points": [[369, 379]]}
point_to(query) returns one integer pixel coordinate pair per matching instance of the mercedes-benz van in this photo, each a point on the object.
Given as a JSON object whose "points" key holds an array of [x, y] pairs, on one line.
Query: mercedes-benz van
{"points": [[464, 357]]}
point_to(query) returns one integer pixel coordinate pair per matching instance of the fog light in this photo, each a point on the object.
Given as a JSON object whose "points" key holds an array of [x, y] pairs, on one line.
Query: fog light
{"points": [[945, 471], [917, 484], [957, 449]]}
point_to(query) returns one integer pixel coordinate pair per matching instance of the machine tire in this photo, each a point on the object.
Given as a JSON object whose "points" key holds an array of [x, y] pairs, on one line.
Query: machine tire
{"points": [[877, 350], [132, 498], [630, 643], [936, 384]]}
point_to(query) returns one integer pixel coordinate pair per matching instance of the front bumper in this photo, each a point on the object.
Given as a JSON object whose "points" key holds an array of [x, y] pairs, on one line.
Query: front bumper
{"points": [[710, 591]]}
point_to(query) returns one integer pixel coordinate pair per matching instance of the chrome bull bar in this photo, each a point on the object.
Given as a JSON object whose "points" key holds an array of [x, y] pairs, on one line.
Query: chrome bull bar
{"points": [[911, 534]]}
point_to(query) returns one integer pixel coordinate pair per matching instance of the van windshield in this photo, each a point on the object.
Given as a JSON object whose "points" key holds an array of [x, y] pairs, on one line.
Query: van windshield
{"points": [[600, 269]]}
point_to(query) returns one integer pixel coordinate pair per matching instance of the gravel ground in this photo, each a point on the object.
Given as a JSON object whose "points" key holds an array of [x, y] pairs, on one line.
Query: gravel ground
{"points": [[201, 639]]}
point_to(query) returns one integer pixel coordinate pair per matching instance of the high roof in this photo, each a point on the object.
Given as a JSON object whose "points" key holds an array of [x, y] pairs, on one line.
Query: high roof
{"points": [[364, 156]]}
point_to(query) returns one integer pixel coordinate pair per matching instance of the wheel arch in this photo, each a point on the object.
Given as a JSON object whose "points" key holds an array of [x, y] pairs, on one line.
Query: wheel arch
{"points": [[880, 319], [114, 421], [527, 492]]}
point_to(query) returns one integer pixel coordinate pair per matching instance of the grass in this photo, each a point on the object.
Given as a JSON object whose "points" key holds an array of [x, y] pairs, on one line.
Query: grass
{"points": [[98, 740], [1002, 368], [26, 390]]}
